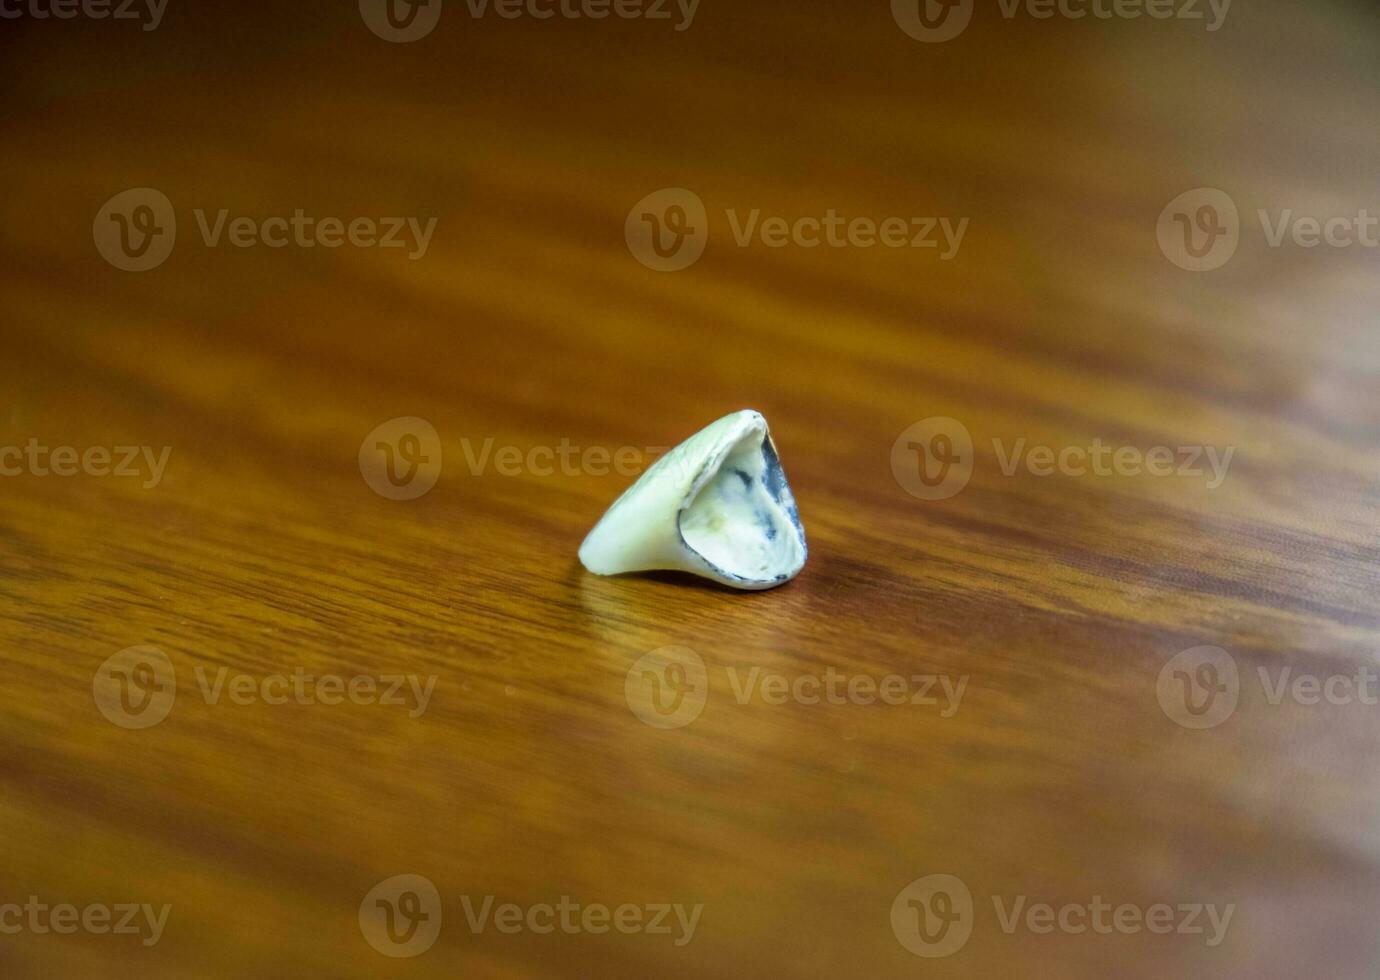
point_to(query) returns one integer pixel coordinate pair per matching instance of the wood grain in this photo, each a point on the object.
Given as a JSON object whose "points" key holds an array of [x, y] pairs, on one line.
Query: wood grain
{"points": [[1060, 598]]}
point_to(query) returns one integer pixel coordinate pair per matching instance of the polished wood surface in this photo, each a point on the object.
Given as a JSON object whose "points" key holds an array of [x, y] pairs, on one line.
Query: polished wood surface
{"points": [[1060, 775]]}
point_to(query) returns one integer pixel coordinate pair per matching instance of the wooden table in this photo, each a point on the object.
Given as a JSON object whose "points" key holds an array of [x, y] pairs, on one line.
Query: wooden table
{"points": [[1047, 618]]}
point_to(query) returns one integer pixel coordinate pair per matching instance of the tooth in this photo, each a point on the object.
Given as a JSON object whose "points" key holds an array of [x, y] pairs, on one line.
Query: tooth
{"points": [[717, 506]]}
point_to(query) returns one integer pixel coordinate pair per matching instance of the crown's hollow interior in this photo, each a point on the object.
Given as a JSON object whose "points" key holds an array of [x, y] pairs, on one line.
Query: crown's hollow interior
{"points": [[743, 519]]}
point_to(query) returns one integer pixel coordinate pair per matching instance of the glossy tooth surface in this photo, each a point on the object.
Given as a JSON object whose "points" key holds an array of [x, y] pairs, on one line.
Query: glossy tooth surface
{"points": [[718, 506]]}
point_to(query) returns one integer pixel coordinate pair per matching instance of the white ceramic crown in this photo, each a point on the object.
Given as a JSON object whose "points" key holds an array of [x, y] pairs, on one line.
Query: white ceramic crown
{"points": [[718, 506]]}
